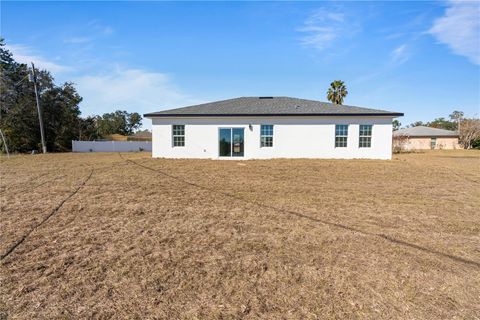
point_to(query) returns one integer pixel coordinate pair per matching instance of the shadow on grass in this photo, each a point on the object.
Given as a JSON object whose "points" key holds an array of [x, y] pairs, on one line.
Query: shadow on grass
{"points": [[55, 210], [304, 216]]}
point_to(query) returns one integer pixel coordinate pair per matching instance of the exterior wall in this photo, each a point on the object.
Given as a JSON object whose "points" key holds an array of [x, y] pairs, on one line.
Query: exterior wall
{"points": [[423, 143], [111, 146], [294, 137]]}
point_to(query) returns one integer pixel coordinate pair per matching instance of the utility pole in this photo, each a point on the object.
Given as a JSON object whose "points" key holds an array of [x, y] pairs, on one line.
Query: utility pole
{"points": [[4, 142], [44, 147]]}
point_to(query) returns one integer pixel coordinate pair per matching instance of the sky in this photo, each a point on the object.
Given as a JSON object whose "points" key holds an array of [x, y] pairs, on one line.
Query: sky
{"points": [[420, 58]]}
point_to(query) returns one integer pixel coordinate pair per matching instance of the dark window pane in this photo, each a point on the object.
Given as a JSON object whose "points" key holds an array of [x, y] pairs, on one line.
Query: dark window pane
{"points": [[266, 130], [341, 130], [365, 130], [340, 142], [178, 130], [225, 141], [266, 141], [365, 142], [238, 139], [178, 141]]}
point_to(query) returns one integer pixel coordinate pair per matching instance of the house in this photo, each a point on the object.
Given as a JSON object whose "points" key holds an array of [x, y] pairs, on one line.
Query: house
{"points": [[144, 135], [421, 138], [115, 137], [272, 127]]}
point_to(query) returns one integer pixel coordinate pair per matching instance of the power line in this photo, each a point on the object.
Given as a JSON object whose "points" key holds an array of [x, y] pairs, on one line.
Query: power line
{"points": [[16, 84]]}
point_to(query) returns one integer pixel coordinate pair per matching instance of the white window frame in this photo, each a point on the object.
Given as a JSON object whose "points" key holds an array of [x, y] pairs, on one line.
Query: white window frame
{"points": [[341, 136], [266, 136], [178, 136], [368, 137]]}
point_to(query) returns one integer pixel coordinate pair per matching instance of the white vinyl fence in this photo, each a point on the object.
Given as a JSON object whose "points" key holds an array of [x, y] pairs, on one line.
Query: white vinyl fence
{"points": [[111, 146]]}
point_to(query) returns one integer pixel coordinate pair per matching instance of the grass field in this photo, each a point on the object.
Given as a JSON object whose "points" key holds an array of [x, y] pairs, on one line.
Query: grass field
{"points": [[127, 236]]}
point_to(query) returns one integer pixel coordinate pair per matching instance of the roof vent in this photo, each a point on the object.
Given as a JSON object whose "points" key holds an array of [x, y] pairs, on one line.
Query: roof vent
{"points": [[265, 97]]}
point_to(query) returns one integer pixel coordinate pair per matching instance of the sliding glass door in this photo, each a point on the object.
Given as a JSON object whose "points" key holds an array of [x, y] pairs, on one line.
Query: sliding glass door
{"points": [[231, 142]]}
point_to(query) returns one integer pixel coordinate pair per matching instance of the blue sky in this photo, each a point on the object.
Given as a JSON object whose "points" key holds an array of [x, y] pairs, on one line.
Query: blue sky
{"points": [[420, 58]]}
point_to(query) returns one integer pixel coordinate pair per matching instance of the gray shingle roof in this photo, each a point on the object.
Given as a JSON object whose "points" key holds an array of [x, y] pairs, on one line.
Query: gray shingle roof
{"points": [[421, 131], [269, 106]]}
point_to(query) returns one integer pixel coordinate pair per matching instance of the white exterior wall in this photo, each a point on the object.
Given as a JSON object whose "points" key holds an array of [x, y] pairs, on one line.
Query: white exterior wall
{"points": [[293, 137]]}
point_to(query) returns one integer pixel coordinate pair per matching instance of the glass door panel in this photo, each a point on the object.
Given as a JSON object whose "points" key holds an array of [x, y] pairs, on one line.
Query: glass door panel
{"points": [[237, 146], [225, 140]]}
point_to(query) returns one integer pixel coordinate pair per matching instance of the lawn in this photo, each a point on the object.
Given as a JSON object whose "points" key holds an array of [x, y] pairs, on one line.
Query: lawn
{"points": [[127, 236]]}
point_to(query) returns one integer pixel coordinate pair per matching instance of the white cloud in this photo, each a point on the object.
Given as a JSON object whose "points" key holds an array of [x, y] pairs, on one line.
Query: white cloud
{"points": [[459, 28], [107, 30], [93, 30], [101, 28], [77, 40], [323, 27], [24, 54], [400, 54], [134, 90]]}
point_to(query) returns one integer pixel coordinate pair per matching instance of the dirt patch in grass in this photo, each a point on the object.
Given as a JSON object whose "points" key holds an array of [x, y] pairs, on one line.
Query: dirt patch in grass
{"points": [[287, 239]]}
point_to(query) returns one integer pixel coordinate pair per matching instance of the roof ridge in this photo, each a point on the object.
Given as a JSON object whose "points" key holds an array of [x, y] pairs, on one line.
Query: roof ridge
{"points": [[270, 106], [425, 131]]}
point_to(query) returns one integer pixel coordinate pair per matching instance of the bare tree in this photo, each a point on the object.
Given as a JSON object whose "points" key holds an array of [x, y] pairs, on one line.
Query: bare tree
{"points": [[469, 132], [457, 116], [396, 125], [399, 143]]}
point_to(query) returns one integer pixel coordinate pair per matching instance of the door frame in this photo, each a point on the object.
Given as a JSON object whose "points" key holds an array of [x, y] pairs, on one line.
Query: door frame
{"points": [[231, 142]]}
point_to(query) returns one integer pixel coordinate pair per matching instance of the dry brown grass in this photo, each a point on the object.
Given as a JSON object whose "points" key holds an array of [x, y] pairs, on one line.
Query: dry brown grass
{"points": [[278, 239]]}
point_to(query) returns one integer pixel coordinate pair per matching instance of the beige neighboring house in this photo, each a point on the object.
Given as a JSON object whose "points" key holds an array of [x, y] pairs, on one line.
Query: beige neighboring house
{"points": [[141, 136], [421, 138]]}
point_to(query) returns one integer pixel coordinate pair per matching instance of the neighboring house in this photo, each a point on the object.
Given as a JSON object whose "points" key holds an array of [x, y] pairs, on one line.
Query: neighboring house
{"points": [[272, 127], [115, 137], [141, 136], [421, 138]]}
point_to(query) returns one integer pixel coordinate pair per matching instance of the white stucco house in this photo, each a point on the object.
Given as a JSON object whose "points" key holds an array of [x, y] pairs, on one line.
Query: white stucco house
{"points": [[272, 127]]}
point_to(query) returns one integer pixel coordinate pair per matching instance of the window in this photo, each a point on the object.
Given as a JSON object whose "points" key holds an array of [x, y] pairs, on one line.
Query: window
{"points": [[433, 143], [266, 135], [341, 135], [365, 136], [178, 135]]}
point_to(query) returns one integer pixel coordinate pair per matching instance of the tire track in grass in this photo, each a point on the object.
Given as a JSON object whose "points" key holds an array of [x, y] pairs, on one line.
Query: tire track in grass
{"points": [[305, 216], [28, 190], [55, 210], [21, 184], [31, 188]]}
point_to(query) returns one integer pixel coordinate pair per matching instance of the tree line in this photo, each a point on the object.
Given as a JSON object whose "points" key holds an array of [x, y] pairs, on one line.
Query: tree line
{"points": [[60, 110]]}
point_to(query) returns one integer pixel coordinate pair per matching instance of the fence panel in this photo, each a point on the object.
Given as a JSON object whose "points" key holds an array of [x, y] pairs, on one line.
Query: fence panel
{"points": [[111, 146]]}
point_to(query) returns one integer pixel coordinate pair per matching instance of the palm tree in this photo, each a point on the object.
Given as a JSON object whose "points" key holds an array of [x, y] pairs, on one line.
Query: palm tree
{"points": [[337, 92]]}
